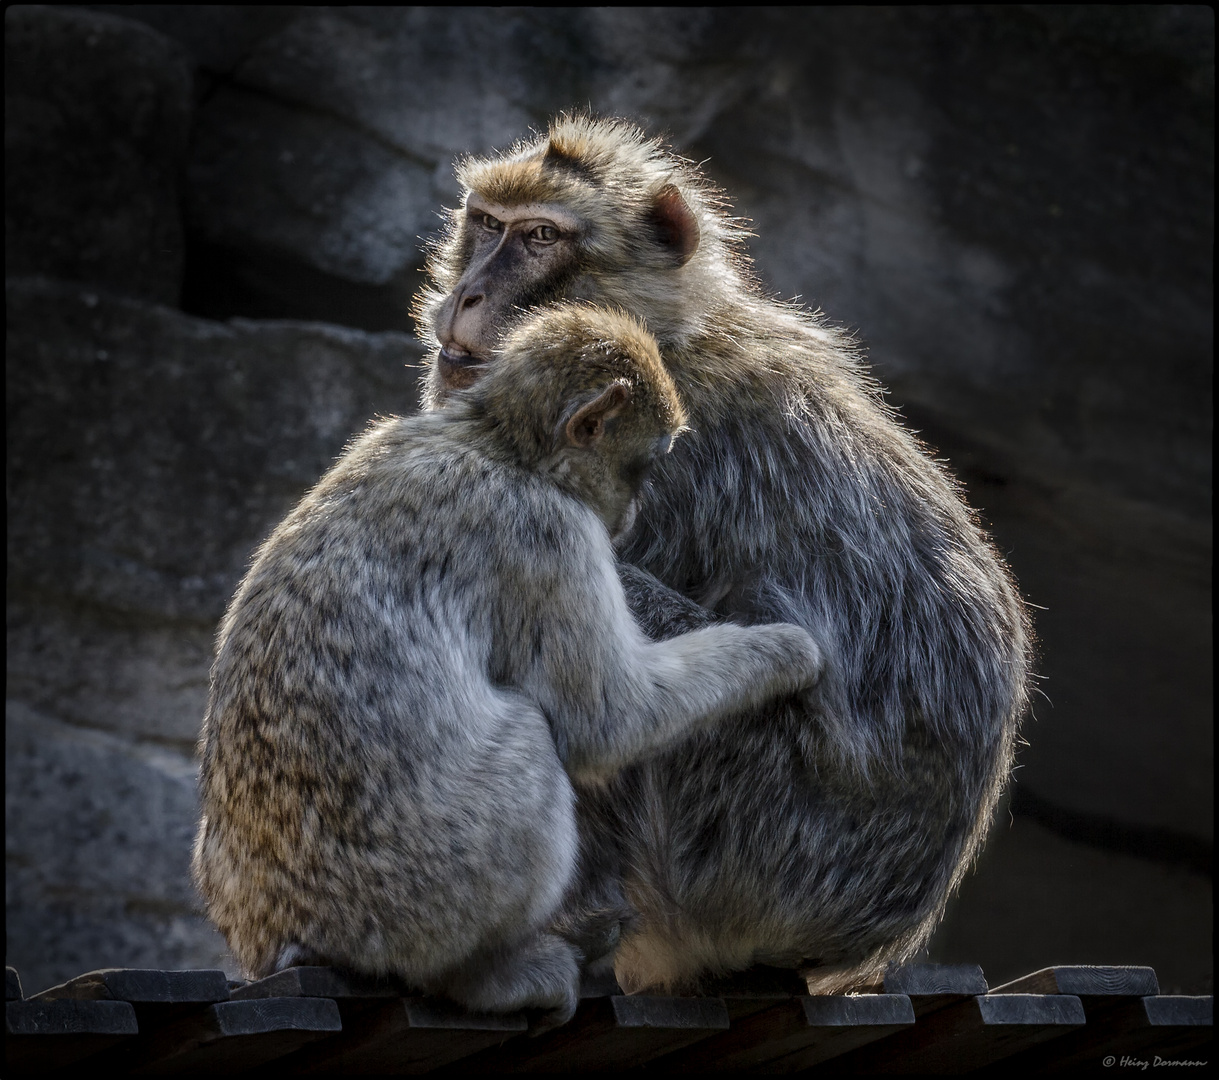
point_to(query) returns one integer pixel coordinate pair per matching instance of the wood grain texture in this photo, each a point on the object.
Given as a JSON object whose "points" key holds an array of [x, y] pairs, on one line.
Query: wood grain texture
{"points": [[1086, 980], [44, 1035], [931, 987], [234, 1034], [797, 1034], [972, 1034], [407, 1036]]}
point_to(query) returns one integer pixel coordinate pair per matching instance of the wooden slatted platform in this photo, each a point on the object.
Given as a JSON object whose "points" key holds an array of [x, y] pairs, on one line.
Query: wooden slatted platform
{"points": [[923, 1019]]}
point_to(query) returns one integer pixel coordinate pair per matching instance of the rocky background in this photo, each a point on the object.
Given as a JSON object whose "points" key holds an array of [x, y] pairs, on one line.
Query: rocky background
{"points": [[213, 221]]}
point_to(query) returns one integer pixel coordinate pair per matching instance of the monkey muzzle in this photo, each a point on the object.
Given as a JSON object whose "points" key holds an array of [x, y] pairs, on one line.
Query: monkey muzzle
{"points": [[459, 368]]}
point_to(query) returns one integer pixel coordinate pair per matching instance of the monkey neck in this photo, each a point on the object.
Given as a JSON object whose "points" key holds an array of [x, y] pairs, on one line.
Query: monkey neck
{"points": [[593, 487], [503, 434], [515, 442]]}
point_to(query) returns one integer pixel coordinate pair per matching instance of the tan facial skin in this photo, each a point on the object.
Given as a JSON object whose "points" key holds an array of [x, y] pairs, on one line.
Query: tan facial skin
{"points": [[515, 250]]}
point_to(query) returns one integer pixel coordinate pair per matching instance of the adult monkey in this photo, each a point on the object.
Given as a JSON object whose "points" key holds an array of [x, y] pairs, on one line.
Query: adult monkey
{"points": [[831, 836]]}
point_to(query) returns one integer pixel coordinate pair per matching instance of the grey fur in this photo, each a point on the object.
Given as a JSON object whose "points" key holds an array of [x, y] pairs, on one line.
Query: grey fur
{"points": [[828, 833], [425, 654]]}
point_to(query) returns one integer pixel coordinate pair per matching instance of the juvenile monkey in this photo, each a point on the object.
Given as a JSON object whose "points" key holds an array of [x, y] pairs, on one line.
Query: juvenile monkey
{"points": [[428, 650], [827, 833]]}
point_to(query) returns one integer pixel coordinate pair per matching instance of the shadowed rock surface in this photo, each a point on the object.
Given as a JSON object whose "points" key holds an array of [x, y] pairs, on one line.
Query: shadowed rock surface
{"points": [[1012, 207], [97, 112]]}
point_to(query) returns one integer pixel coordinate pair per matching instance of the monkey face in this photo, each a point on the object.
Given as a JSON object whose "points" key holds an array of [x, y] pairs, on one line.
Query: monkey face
{"points": [[519, 256], [591, 213]]}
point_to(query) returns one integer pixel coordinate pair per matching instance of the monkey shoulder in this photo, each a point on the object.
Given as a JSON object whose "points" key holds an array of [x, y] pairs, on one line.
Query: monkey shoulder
{"points": [[366, 550], [420, 547]]}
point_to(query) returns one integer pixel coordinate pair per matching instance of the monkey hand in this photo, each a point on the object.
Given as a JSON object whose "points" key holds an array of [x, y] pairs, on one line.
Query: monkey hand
{"points": [[800, 660]]}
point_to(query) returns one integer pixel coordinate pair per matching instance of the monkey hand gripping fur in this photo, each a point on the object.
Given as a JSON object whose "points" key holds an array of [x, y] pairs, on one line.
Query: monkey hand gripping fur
{"points": [[428, 651], [827, 833]]}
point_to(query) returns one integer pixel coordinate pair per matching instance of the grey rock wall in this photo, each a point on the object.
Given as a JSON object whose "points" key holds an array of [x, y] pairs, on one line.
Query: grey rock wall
{"points": [[214, 220], [149, 451], [96, 196]]}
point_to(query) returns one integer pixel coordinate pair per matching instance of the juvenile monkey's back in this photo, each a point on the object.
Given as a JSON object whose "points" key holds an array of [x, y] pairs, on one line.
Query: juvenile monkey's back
{"points": [[355, 748]]}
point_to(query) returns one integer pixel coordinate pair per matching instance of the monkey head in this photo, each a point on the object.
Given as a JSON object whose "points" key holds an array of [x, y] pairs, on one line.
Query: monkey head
{"points": [[579, 394], [593, 211]]}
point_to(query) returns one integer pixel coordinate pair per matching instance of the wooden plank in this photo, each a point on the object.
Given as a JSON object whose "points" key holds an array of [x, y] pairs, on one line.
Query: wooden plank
{"points": [[599, 984], [1176, 1025], [758, 988], [1134, 1034], [841, 1025], [142, 986], [158, 997], [233, 1035], [35, 1017], [45, 1035], [933, 986], [973, 1034], [386, 1028], [406, 1036], [1174, 1010], [745, 994], [354, 994], [320, 982], [1107, 995], [1086, 982], [12, 984], [609, 1034], [797, 1034]]}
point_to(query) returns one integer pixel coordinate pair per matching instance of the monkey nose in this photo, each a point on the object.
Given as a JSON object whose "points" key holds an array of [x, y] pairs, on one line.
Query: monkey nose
{"points": [[468, 302]]}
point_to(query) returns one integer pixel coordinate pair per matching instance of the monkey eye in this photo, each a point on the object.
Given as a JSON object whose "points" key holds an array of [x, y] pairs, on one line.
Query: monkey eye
{"points": [[491, 224], [544, 234]]}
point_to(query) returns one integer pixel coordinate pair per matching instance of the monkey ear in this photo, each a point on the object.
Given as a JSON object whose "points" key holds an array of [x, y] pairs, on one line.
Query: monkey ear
{"points": [[675, 224], [587, 423]]}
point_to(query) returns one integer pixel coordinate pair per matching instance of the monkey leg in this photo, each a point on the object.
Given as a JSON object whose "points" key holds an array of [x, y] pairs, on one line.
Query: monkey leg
{"points": [[595, 915], [541, 973], [753, 850]]}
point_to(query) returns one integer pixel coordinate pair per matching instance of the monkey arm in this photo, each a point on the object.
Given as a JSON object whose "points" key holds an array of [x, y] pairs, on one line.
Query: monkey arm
{"points": [[661, 612], [664, 690], [613, 697]]}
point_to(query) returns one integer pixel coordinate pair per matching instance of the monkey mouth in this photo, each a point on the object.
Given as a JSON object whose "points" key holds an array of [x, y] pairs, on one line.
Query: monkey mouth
{"points": [[459, 368]]}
